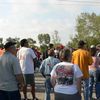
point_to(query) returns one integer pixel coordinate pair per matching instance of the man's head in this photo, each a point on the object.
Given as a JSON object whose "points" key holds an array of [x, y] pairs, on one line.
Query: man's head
{"points": [[24, 43], [10, 46], [51, 52], [50, 46], [81, 44]]}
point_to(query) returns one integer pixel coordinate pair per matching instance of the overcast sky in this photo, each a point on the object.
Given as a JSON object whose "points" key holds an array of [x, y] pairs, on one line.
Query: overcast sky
{"points": [[28, 18]]}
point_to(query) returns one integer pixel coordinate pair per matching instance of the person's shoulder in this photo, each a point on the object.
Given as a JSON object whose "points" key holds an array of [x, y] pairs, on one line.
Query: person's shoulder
{"points": [[46, 59], [13, 57], [22, 49], [87, 52], [29, 50], [75, 65], [56, 59], [65, 63], [76, 52]]}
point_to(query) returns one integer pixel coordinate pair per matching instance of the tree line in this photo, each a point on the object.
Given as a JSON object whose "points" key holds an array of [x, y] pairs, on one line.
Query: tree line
{"points": [[87, 28]]}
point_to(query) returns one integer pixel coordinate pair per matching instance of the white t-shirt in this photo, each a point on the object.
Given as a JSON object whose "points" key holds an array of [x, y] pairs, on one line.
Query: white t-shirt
{"points": [[66, 74], [26, 56]]}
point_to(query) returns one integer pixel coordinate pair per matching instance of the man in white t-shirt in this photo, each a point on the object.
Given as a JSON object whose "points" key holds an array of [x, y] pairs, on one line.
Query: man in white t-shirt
{"points": [[27, 58], [66, 78]]}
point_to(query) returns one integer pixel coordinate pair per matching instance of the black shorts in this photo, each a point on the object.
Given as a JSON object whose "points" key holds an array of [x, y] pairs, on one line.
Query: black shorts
{"points": [[98, 75], [60, 96], [29, 79]]}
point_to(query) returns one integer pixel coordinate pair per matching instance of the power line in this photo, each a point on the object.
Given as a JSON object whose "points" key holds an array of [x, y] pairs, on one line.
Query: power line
{"points": [[71, 2], [78, 4], [77, 1], [59, 2]]}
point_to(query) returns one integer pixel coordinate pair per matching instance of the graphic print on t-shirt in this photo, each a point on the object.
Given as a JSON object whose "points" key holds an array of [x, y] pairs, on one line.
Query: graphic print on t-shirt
{"points": [[65, 74]]}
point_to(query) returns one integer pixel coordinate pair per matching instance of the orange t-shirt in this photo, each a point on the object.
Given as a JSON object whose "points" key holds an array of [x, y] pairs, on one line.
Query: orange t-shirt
{"points": [[83, 59], [1, 52]]}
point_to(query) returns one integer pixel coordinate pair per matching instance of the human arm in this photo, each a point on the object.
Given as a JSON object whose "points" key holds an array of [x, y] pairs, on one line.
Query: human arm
{"points": [[42, 68], [20, 80], [78, 75], [79, 84], [53, 77], [72, 58], [17, 72], [53, 81], [36, 63], [90, 60]]}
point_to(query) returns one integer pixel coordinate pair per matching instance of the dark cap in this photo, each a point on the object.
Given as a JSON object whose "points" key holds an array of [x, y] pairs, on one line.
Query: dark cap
{"points": [[9, 44], [81, 43]]}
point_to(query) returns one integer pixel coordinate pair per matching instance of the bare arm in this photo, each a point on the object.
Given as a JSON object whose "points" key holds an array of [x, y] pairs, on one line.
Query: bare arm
{"points": [[20, 79], [36, 63], [79, 84], [53, 81]]}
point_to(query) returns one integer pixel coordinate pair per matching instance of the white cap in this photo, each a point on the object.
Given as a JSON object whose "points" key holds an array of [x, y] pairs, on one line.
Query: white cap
{"points": [[92, 46]]}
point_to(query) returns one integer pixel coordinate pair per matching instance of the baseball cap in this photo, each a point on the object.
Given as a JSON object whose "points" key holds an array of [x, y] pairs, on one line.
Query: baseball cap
{"points": [[81, 43], [9, 44]]}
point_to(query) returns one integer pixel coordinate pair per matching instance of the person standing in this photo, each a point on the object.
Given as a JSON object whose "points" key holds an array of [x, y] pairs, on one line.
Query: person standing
{"points": [[10, 74], [66, 78], [83, 58], [46, 68], [93, 69], [27, 59]]}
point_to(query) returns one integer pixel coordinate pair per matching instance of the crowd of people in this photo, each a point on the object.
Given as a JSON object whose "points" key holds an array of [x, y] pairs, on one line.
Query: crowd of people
{"points": [[65, 71]]}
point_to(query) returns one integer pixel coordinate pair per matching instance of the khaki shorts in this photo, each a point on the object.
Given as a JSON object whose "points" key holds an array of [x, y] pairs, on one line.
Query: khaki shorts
{"points": [[29, 79]]}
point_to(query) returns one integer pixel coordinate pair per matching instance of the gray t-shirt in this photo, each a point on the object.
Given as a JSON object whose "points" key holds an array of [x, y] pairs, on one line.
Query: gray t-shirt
{"points": [[9, 67]]}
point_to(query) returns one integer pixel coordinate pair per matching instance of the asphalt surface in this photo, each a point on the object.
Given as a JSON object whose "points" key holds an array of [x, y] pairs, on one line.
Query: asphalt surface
{"points": [[40, 90]]}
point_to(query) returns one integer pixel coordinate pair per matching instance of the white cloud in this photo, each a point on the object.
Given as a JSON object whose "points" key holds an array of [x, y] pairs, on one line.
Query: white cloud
{"points": [[28, 18]]}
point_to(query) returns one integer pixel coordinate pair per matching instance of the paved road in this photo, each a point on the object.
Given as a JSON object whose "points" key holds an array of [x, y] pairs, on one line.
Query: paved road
{"points": [[39, 81], [39, 87]]}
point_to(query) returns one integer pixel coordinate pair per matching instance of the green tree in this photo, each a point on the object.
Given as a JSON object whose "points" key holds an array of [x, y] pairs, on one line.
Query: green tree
{"points": [[55, 38], [1, 42], [88, 29], [31, 42], [44, 39], [17, 41], [9, 39], [40, 38]]}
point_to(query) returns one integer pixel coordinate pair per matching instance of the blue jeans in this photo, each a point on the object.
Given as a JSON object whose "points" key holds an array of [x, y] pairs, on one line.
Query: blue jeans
{"points": [[97, 86], [48, 87], [10, 95], [86, 89], [91, 82]]}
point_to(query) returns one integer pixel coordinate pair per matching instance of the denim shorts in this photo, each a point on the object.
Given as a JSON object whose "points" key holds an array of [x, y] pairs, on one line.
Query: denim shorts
{"points": [[10, 95]]}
